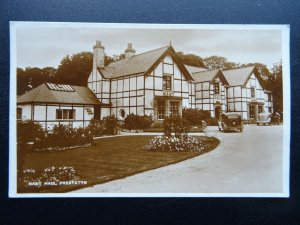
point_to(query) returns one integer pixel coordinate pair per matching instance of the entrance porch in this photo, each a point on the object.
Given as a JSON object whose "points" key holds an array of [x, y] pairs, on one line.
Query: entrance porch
{"points": [[166, 106], [254, 108]]}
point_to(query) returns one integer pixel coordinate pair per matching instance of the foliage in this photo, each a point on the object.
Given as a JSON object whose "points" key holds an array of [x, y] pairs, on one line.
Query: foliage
{"points": [[28, 131], [218, 62], [59, 138], [191, 59], [136, 122], [130, 122], [62, 173], [276, 87], [32, 77], [176, 124], [110, 124], [75, 69], [97, 127], [50, 174], [176, 144], [195, 116]]}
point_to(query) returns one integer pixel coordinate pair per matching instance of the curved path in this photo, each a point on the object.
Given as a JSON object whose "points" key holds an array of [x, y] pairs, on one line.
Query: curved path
{"points": [[248, 162]]}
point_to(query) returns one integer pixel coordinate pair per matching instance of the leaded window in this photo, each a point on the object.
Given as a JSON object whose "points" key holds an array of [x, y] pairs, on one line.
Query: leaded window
{"points": [[161, 110], [66, 114], [167, 83], [173, 109]]}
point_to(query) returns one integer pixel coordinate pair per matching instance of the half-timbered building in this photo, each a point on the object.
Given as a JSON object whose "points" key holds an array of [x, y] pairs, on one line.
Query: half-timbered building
{"points": [[209, 90], [53, 104], [153, 83], [246, 93]]}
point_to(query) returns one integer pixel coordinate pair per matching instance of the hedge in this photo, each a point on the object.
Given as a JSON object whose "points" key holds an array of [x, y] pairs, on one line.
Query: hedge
{"points": [[135, 122]]}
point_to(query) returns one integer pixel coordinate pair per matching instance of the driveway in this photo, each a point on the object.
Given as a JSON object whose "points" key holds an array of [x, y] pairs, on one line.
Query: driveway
{"points": [[248, 162]]}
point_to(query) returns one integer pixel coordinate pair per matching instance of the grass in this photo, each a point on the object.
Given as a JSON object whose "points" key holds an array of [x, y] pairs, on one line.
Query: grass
{"points": [[109, 159]]}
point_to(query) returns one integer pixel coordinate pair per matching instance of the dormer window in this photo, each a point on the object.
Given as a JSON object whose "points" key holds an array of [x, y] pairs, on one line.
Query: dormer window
{"points": [[167, 83]]}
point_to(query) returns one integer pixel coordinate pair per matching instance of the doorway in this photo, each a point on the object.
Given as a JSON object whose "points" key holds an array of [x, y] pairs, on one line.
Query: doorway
{"points": [[218, 111]]}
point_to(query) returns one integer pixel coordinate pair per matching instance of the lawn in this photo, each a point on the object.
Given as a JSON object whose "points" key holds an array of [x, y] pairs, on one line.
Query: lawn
{"points": [[109, 159]]}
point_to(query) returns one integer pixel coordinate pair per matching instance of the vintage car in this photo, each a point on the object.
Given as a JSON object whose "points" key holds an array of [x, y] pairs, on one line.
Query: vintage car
{"points": [[230, 122], [264, 119]]}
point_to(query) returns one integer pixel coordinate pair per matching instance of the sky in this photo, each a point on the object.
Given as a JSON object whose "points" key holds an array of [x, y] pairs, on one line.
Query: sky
{"points": [[43, 45]]}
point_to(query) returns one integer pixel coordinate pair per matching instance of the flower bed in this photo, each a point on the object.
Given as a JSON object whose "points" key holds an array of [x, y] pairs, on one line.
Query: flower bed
{"points": [[51, 176], [178, 144]]}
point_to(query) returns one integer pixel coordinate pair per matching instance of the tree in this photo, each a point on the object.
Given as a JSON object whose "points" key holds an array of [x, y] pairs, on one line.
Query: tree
{"points": [[191, 59], [218, 62], [276, 87], [75, 69], [32, 77]]}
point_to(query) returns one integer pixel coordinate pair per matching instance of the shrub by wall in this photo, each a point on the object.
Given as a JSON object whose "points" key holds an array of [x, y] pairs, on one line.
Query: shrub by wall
{"points": [[195, 116], [31, 136], [28, 131], [135, 122], [97, 127], [110, 124]]}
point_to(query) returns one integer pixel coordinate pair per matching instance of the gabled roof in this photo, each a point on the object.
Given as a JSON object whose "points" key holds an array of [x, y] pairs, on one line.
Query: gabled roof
{"points": [[240, 76], [44, 94], [209, 76], [140, 64], [194, 69]]}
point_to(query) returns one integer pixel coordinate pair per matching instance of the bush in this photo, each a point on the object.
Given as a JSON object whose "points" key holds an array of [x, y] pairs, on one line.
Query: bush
{"points": [[130, 122], [97, 127], [176, 124], [110, 124], [29, 131], [144, 122], [195, 116], [135, 122], [174, 144], [59, 138]]}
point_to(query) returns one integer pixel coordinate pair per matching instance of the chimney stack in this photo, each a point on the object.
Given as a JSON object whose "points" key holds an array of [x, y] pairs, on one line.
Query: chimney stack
{"points": [[129, 52], [98, 55]]}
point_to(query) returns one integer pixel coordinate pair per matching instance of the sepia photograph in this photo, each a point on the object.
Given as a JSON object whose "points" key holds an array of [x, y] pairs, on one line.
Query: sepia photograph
{"points": [[149, 110]]}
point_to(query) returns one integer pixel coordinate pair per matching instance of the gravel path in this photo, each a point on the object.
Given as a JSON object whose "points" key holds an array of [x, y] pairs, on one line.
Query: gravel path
{"points": [[248, 162]]}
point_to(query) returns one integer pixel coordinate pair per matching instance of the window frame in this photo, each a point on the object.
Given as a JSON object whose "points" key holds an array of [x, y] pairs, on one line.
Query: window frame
{"points": [[216, 88], [174, 108], [251, 112], [65, 114], [161, 111], [167, 79]]}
